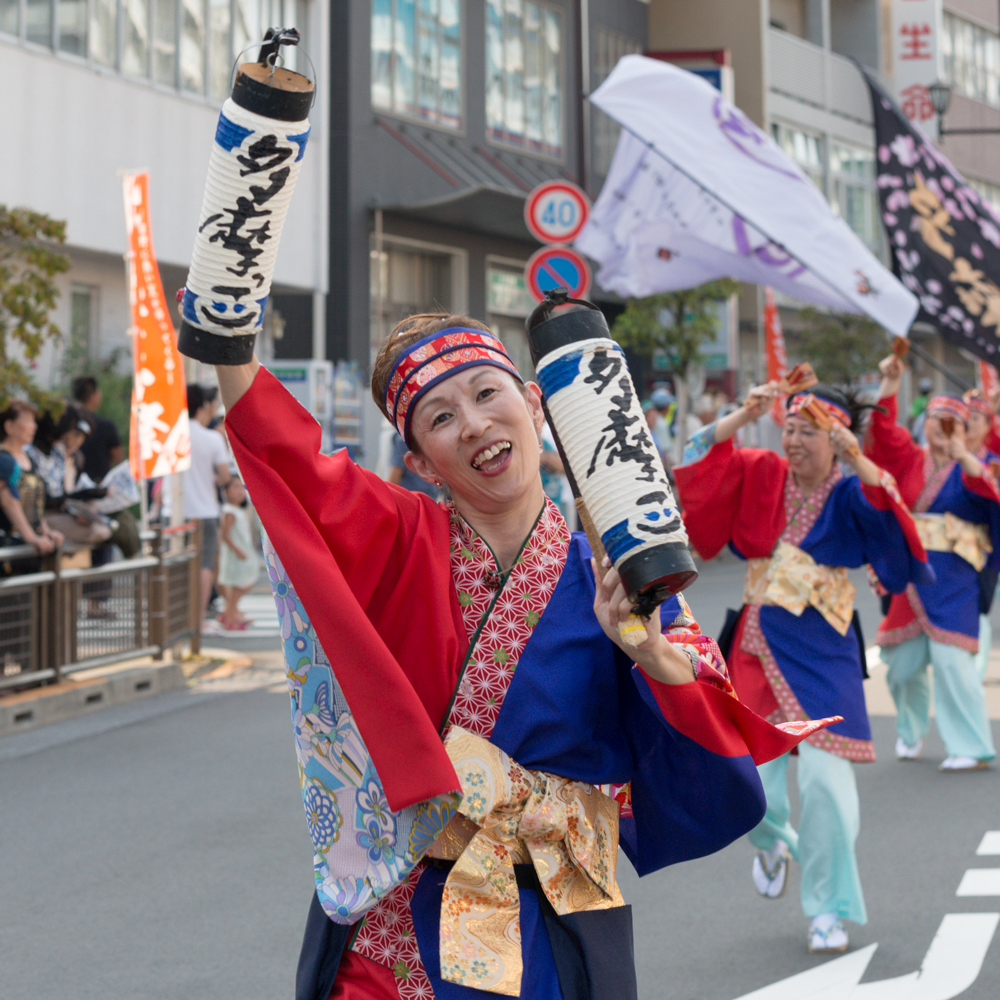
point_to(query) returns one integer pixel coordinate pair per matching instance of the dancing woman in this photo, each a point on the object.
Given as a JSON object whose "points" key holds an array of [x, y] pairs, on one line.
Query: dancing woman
{"points": [[957, 509], [473, 741], [795, 651]]}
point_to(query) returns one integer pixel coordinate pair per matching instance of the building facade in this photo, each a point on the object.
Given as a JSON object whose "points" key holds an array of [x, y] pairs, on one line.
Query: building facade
{"points": [[109, 85], [444, 115], [795, 75]]}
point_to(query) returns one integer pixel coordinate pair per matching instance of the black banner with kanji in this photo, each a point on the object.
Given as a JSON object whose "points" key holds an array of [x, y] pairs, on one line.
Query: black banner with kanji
{"points": [[945, 238]]}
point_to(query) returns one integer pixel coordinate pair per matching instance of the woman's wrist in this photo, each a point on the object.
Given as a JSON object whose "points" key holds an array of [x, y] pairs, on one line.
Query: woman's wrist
{"points": [[666, 662]]}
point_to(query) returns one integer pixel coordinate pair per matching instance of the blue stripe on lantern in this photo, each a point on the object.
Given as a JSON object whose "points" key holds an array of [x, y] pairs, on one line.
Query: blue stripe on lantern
{"points": [[617, 541], [229, 135], [560, 373], [301, 139], [187, 307]]}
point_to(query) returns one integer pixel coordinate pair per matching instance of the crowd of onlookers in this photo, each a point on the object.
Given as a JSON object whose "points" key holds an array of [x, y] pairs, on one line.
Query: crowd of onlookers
{"points": [[53, 466]]}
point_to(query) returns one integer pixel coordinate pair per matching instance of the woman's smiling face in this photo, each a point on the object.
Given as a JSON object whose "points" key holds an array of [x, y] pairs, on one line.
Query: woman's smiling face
{"points": [[478, 432], [810, 453]]}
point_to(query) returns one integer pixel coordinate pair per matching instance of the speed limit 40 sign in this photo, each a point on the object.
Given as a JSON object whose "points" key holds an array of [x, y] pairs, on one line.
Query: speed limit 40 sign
{"points": [[556, 211]]}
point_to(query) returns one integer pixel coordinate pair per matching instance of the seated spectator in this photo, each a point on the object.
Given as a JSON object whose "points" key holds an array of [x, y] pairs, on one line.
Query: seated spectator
{"points": [[101, 452], [53, 452], [22, 493]]}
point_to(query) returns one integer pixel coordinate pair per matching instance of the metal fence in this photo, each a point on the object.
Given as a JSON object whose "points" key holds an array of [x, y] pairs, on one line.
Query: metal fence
{"points": [[57, 620]]}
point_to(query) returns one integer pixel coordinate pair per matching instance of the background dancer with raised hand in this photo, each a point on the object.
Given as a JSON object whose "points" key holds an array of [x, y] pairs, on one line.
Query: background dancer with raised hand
{"points": [[980, 429], [795, 650], [957, 510]]}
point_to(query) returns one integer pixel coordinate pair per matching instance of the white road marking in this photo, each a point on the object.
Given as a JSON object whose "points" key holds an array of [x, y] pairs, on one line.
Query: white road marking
{"points": [[990, 844], [831, 981], [980, 882], [259, 607], [951, 965]]}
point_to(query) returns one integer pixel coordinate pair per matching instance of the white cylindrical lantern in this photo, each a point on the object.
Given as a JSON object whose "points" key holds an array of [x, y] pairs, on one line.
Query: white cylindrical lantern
{"points": [[259, 144], [611, 459]]}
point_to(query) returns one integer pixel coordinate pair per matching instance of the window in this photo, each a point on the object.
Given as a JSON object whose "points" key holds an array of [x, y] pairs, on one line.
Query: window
{"points": [[39, 21], [10, 21], [804, 148], [82, 303], [524, 75], [417, 59], [135, 39], [608, 48], [853, 195], [73, 27], [971, 59], [411, 277], [186, 44]]}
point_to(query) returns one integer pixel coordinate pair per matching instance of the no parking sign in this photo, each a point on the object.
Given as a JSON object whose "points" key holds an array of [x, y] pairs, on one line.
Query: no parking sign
{"points": [[555, 267]]}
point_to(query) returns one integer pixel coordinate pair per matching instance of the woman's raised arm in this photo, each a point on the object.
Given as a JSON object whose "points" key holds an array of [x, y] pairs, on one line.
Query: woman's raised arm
{"points": [[235, 380]]}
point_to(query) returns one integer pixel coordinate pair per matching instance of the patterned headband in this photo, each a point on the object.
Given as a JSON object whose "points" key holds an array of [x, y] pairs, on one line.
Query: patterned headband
{"points": [[836, 412], [975, 400], [433, 359], [948, 406]]}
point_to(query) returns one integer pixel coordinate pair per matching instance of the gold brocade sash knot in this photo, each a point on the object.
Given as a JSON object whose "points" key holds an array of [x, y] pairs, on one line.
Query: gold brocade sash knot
{"points": [[567, 829], [793, 580], [948, 533]]}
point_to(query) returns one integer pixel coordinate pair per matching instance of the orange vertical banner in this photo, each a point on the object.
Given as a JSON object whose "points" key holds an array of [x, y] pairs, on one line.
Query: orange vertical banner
{"points": [[774, 349], [159, 398]]}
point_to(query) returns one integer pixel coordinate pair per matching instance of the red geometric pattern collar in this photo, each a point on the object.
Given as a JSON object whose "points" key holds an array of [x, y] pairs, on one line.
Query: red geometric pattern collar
{"points": [[801, 511], [500, 614], [499, 622]]}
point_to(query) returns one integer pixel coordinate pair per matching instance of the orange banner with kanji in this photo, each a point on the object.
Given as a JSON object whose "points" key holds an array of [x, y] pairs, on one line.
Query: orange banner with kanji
{"points": [[159, 398], [774, 351]]}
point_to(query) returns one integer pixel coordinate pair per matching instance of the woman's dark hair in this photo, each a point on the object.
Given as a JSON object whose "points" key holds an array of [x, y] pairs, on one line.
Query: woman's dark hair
{"points": [[846, 399], [51, 430], [12, 411], [406, 333]]}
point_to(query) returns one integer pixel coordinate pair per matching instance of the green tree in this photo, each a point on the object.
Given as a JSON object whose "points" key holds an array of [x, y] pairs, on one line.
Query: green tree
{"points": [[840, 346], [679, 323], [29, 263]]}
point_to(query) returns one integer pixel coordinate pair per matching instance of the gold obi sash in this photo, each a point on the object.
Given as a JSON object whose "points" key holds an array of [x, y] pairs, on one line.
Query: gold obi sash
{"points": [[567, 829], [947, 533], [793, 580]]}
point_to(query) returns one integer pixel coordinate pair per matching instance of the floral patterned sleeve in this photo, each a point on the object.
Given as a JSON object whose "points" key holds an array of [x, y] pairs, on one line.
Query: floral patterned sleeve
{"points": [[706, 657]]}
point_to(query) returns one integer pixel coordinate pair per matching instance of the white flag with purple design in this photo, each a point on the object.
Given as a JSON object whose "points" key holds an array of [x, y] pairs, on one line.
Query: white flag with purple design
{"points": [[697, 192]]}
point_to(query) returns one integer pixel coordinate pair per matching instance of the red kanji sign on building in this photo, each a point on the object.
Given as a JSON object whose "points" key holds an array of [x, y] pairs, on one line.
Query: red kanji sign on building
{"points": [[916, 38]]}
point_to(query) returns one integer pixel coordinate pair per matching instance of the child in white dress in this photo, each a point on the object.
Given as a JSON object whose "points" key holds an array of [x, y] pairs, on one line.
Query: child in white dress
{"points": [[238, 565]]}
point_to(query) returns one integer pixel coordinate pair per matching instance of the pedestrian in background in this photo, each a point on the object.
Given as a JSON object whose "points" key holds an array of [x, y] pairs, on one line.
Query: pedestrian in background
{"points": [[101, 452], [238, 566], [22, 492], [54, 452], [208, 471], [401, 475]]}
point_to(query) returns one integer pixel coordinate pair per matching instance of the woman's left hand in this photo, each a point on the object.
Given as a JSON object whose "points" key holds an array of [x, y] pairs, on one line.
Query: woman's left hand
{"points": [[657, 657], [956, 445], [845, 444]]}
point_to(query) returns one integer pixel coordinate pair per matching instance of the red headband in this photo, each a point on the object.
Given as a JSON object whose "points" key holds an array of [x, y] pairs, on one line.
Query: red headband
{"points": [[433, 359], [975, 400], [836, 412], [949, 406]]}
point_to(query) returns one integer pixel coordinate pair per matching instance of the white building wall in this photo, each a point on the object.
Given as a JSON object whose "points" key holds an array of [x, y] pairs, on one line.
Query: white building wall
{"points": [[71, 127]]}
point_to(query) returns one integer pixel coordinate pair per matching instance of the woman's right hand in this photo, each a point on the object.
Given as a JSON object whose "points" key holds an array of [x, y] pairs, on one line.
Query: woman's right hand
{"points": [[891, 367], [759, 399], [44, 544]]}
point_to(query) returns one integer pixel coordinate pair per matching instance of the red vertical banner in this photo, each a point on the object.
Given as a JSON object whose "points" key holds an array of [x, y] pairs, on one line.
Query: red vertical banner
{"points": [[989, 381], [774, 351], [160, 439]]}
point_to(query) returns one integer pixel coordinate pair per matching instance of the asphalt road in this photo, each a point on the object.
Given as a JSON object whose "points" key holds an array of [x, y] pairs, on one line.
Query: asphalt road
{"points": [[158, 850]]}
